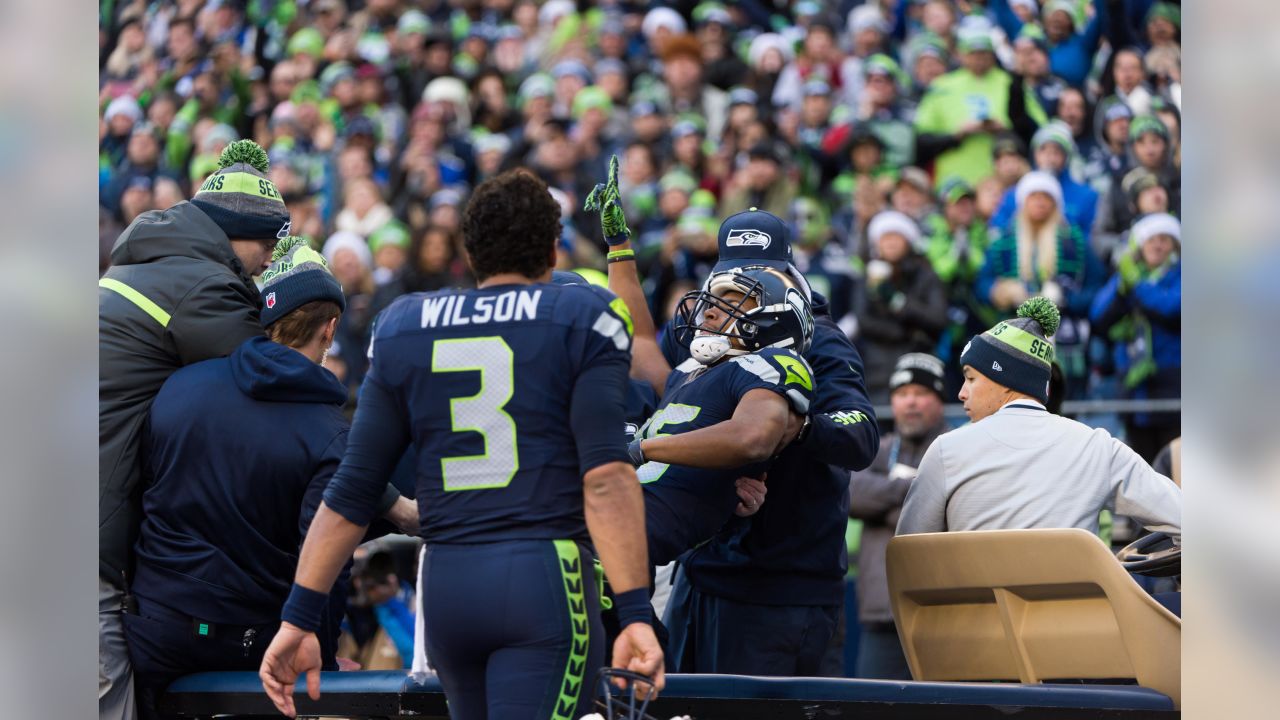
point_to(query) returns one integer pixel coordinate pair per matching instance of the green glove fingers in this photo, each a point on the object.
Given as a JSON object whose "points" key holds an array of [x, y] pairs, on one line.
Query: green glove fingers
{"points": [[607, 200]]}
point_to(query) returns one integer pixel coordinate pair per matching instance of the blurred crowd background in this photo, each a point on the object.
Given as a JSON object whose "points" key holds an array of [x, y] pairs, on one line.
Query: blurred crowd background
{"points": [[939, 161]]}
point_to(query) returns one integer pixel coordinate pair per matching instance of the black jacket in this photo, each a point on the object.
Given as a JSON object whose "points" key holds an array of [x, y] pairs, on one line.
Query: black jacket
{"points": [[175, 294], [890, 329]]}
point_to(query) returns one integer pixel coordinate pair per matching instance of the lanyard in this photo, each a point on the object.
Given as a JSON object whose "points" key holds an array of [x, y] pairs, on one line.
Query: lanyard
{"points": [[894, 450]]}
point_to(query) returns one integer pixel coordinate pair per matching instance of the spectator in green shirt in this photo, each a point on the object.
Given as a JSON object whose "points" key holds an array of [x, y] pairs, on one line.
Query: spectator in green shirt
{"points": [[964, 108]]}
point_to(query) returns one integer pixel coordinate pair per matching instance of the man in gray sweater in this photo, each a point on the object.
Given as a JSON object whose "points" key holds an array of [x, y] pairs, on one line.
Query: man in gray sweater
{"points": [[1017, 465]]}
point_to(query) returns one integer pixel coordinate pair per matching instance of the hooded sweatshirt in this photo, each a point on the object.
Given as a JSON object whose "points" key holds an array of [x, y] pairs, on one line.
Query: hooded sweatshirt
{"points": [[175, 294], [241, 448]]}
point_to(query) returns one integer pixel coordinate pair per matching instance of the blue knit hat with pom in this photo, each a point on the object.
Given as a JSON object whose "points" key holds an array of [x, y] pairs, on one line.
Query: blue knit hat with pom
{"points": [[298, 275], [1017, 353]]}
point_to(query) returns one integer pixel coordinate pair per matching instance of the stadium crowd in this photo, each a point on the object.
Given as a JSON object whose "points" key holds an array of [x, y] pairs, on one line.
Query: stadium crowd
{"points": [[937, 163], [1001, 149]]}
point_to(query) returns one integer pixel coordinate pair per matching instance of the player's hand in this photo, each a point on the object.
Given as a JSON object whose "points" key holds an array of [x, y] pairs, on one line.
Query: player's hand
{"points": [[292, 652], [751, 494], [606, 199], [637, 650], [404, 514]]}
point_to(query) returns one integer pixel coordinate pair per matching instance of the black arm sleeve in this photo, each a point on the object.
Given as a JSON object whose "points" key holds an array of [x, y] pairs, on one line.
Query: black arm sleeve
{"points": [[597, 413], [377, 440], [1023, 124], [930, 145]]}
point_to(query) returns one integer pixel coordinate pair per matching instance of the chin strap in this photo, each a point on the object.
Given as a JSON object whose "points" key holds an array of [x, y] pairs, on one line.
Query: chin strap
{"points": [[707, 349]]}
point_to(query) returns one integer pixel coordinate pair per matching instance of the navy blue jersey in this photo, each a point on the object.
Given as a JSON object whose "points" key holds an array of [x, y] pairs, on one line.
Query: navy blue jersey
{"points": [[484, 382], [792, 552], [685, 506]]}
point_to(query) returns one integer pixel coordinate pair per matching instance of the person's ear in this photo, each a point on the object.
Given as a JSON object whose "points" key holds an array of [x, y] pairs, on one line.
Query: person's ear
{"points": [[330, 331]]}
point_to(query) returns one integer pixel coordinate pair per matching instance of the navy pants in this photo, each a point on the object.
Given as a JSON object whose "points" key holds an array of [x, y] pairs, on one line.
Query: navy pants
{"points": [[513, 628], [165, 645], [710, 634]]}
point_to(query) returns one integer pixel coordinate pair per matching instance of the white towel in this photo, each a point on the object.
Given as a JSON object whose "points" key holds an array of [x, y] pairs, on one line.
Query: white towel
{"points": [[421, 669]]}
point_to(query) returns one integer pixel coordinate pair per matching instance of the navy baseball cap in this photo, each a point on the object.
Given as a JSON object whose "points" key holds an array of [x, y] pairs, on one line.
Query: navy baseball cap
{"points": [[754, 237]]}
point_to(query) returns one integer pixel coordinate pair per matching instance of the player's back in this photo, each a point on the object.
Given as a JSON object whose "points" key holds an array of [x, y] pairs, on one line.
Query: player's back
{"points": [[684, 505], [484, 378]]}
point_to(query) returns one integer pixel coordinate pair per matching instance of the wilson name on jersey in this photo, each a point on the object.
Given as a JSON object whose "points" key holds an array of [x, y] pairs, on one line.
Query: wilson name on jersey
{"points": [[485, 379]]}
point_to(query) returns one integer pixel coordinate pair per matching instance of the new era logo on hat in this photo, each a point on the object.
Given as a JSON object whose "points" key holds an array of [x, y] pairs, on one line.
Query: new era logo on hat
{"points": [[756, 238], [996, 366], [753, 237]]}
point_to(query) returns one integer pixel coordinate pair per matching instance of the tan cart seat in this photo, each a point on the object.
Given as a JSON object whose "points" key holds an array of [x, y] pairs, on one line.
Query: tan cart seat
{"points": [[1029, 606]]}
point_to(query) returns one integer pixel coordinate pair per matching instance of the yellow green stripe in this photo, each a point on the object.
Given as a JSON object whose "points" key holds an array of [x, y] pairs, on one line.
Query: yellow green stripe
{"points": [[1020, 339], [571, 570], [620, 308], [136, 298], [241, 182]]}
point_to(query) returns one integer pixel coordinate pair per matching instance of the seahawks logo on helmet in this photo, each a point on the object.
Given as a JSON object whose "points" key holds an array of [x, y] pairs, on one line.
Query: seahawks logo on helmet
{"points": [[748, 238]]}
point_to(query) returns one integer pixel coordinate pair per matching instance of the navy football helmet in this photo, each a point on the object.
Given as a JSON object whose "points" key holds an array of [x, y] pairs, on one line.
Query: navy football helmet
{"points": [[631, 703], [777, 315]]}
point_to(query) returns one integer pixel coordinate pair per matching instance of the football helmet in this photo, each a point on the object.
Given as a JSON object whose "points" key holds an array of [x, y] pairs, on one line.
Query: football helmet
{"points": [[772, 312]]}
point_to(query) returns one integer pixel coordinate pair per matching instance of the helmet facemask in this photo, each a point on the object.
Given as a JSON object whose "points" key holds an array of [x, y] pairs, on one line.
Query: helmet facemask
{"points": [[750, 322]]}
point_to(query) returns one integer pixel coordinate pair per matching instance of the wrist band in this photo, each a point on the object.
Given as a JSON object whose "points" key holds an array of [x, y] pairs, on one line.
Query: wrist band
{"points": [[304, 608], [633, 607], [621, 255], [635, 452]]}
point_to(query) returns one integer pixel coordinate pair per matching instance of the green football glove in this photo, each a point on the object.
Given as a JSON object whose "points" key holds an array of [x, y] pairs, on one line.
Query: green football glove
{"points": [[606, 200]]}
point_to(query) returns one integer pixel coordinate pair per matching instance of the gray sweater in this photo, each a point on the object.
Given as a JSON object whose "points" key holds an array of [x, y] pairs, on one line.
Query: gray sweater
{"points": [[1023, 467]]}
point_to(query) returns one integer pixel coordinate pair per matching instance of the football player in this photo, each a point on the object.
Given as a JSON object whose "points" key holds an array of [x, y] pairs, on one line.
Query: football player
{"points": [[730, 408], [512, 397], [765, 595]]}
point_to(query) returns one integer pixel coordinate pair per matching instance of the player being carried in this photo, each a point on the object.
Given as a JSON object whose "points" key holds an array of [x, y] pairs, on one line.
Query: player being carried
{"points": [[726, 412], [512, 396]]}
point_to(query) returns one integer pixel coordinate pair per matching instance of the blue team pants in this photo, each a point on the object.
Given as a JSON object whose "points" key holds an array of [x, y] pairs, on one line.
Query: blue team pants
{"points": [[710, 634], [513, 628], [165, 644]]}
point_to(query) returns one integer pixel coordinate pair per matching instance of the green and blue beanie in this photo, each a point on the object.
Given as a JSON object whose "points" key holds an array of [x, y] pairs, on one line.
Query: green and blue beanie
{"points": [[298, 275], [240, 199], [1147, 124], [1017, 353]]}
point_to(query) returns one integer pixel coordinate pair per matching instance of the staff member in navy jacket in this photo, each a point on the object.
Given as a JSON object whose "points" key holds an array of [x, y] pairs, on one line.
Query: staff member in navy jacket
{"points": [[764, 597], [241, 449]]}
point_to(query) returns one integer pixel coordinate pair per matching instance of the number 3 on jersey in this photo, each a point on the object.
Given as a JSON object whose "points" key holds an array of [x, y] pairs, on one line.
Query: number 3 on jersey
{"points": [[483, 412]]}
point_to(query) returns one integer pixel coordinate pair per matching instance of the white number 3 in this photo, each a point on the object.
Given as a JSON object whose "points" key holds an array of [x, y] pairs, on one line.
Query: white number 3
{"points": [[483, 412]]}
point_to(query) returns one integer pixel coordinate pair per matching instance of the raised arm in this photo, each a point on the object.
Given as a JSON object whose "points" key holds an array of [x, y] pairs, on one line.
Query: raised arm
{"points": [[647, 361]]}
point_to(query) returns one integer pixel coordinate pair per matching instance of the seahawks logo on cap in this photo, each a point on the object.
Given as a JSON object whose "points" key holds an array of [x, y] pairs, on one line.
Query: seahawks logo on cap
{"points": [[748, 238]]}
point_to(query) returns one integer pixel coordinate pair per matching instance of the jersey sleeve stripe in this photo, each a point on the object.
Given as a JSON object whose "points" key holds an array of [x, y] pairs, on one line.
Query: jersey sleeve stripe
{"points": [[612, 328], [759, 367]]}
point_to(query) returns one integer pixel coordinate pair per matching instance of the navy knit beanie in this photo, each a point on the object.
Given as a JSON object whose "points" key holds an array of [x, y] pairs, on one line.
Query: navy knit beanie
{"points": [[1017, 353], [298, 275], [240, 198]]}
